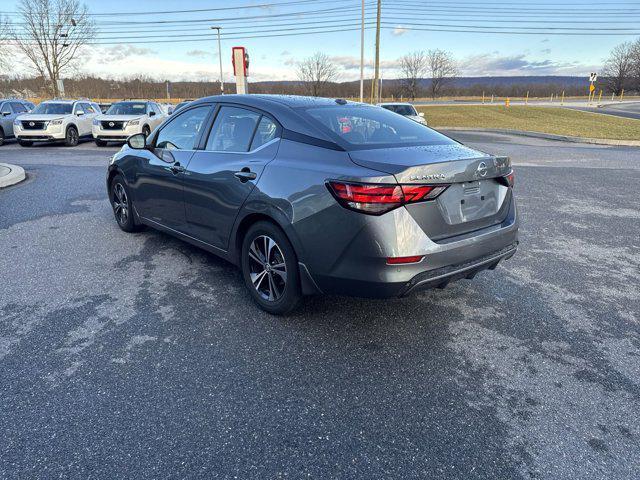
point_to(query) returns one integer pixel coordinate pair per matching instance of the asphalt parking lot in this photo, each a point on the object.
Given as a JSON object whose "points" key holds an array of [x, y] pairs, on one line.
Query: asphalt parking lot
{"points": [[139, 356]]}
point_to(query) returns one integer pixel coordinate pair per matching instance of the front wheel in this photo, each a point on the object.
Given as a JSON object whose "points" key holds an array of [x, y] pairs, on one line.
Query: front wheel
{"points": [[146, 131], [1, 137], [270, 269], [71, 138], [122, 205]]}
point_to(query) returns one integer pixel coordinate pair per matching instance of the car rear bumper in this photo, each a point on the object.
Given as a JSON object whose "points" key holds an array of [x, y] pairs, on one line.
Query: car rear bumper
{"points": [[437, 278]]}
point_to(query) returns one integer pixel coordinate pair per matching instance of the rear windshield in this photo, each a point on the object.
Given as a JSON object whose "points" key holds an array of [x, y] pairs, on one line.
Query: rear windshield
{"points": [[127, 108], [53, 108], [401, 109], [362, 126]]}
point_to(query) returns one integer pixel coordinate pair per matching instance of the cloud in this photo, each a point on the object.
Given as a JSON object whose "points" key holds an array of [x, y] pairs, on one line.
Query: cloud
{"points": [[353, 63], [546, 51], [285, 53], [399, 30], [121, 52], [513, 65], [198, 53]]}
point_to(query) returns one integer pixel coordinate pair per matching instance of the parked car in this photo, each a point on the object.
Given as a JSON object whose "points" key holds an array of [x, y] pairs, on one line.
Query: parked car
{"points": [[10, 108], [181, 104], [406, 110], [127, 118], [167, 108], [276, 185], [56, 120]]}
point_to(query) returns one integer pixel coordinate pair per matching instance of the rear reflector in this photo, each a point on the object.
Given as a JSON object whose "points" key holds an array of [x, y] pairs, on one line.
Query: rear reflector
{"points": [[376, 199], [403, 260]]}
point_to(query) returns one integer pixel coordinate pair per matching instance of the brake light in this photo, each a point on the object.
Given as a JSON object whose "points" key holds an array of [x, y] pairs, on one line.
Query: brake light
{"points": [[376, 199], [508, 180]]}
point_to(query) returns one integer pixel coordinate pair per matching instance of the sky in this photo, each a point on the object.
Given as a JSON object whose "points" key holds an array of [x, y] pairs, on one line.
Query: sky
{"points": [[480, 51]]}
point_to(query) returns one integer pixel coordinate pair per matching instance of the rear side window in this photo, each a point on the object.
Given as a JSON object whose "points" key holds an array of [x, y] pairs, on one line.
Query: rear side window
{"points": [[182, 130], [5, 108], [266, 132], [405, 110], [233, 130], [361, 127]]}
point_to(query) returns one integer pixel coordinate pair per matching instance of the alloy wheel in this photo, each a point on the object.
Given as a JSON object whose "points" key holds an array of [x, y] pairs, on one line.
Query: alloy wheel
{"points": [[72, 136], [120, 204], [268, 270]]}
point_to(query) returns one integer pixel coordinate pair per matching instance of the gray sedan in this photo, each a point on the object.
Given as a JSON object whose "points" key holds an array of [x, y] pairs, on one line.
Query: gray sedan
{"points": [[312, 196]]}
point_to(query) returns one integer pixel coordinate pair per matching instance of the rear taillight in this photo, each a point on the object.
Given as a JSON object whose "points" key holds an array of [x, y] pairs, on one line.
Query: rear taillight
{"points": [[507, 180], [404, 260], [376, 199]]}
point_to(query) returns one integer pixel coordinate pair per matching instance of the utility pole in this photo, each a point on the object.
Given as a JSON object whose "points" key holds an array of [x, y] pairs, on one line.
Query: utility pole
{"points": [[220, 58], [362, 57], [376, 86]]}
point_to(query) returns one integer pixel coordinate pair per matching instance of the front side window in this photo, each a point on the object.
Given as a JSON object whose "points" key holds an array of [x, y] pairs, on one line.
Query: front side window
{"points": [[182, 131], [19, 107], [266, 132], [361, 127], [232, 130], [87, 108], [127, 108], [54, 109]]}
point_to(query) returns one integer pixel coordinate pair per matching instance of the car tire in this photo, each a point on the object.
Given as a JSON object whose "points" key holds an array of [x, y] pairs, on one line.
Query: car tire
{"points": [[71, 138], [25, 143], [1, 137], [101, 143], [276, 287], [122, 205], [146, 130]]}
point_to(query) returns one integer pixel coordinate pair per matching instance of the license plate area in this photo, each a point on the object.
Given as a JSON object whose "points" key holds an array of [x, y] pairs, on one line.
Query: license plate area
{"points": [[468, 201]]}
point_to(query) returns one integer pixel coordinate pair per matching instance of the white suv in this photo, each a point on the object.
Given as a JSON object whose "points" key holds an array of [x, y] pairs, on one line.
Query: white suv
{"points": [[127, 118], [56, 120]]}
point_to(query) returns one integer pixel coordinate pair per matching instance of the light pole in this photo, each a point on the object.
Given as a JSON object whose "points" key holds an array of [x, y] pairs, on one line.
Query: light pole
{"points": [[220, 58], [362, 57]]}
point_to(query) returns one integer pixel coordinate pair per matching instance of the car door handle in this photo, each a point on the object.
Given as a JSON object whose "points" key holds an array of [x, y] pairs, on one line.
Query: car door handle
{"points": [[177, 168], [245, 175]]}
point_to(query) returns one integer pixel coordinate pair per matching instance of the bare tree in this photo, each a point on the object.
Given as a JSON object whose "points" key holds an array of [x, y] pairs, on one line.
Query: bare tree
{"points": [[52, 34], [413, 67], [618, 69], [317, 72], [5, 47], [634, 82], [442, 68]]}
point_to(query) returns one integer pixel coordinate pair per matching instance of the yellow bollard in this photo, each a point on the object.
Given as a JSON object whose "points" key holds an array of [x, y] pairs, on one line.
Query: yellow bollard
{"points": [[507, 102], [600, 96]]}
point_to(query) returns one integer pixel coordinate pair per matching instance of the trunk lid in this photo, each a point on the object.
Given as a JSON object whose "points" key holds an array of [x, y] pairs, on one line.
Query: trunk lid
{"points": [[474, 200]]}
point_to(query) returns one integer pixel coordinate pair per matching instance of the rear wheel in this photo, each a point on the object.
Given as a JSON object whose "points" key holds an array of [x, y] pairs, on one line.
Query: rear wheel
{"points": [[122, 205], [270, 269], [71, 138], [101, 143], [25, 143]]}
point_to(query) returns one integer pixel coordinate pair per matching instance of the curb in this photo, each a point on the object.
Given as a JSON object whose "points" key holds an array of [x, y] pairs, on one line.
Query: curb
{"points": [[14, 175], [548, 136]]}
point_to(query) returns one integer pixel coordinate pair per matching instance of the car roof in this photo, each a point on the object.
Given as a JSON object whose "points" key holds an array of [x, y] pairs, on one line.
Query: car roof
{"points": [[394, 103], [287, 109]]}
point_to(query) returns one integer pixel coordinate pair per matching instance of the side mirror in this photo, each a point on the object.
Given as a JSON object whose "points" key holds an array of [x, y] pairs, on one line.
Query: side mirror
{"points": [[421, 114], [137, 141], [80, 113], [152, 114], [6, 114]]}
